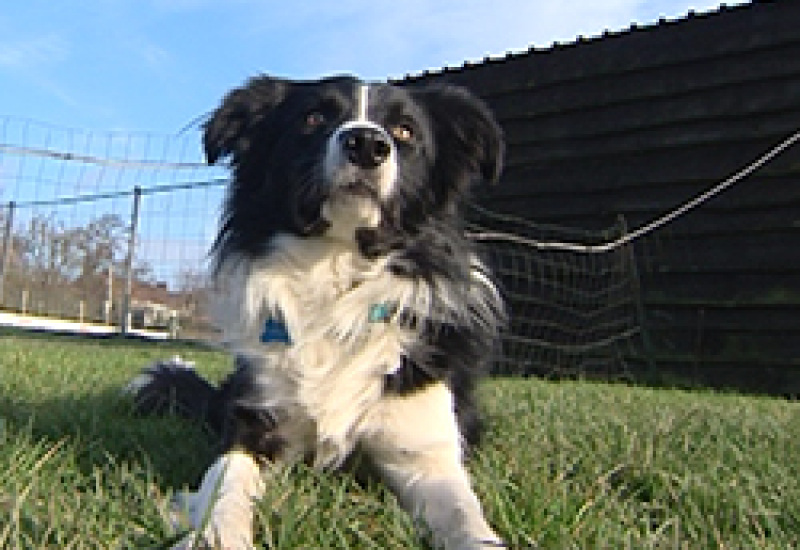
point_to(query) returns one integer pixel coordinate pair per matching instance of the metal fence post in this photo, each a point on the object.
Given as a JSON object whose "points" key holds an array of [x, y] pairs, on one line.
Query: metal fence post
{"points": [[125, 322], [7, 244]]}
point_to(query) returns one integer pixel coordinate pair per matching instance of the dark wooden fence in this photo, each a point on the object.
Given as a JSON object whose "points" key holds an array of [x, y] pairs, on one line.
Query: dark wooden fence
{"points": [[637, 122]]}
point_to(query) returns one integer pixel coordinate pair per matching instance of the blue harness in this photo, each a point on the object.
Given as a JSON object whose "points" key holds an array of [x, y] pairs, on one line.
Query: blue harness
{"points": [[276, 331]]}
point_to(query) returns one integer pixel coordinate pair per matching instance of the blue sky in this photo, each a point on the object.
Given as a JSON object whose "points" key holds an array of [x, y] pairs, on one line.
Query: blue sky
{"points": [[157, 64]]}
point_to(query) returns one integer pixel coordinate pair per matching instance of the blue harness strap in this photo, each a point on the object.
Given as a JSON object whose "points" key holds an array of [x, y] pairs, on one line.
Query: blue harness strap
{"points": [[276, 332], [380, 313]]}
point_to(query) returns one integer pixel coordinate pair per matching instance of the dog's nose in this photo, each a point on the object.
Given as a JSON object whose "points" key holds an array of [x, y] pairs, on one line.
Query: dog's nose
{"points": [[366, 147]]}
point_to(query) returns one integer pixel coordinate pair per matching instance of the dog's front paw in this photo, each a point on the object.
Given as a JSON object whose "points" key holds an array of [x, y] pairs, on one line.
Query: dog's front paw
{"points": [[212, 539], [208, 533], [191, 541], [220, 513]]}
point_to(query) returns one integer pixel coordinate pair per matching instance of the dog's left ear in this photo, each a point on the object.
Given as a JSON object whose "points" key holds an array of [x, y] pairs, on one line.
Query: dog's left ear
{"points": [[228, 131], [466, 129]]}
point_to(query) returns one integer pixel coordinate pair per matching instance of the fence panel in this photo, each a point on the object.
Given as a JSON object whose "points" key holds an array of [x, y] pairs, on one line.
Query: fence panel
{"points": [[68, 222]]}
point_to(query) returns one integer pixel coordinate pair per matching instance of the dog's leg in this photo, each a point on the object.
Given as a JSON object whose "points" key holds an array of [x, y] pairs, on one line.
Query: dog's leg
{"points": [[416, 445], [221, 512]]}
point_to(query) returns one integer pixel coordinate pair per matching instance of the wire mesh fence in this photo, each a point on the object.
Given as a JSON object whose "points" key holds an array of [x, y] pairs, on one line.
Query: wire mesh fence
{"points": [[112, 229], [67, 215], [571, 314]]}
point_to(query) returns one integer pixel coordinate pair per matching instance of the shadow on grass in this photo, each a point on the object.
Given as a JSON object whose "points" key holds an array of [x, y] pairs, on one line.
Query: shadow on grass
{"points": [[102, 430], [92, 416]]}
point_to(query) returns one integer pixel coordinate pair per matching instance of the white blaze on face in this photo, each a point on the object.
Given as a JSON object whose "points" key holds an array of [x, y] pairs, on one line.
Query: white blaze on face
{"points": [[337, 168], [362, 102]]}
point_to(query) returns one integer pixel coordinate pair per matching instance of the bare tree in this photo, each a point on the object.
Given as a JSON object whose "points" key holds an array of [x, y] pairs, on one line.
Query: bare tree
{"points": [[71, 265], [100, 244], [44, 251]]}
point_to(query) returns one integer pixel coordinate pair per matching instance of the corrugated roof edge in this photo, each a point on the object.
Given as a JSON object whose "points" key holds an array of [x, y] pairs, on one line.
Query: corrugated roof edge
{"points": [[582, 40]]}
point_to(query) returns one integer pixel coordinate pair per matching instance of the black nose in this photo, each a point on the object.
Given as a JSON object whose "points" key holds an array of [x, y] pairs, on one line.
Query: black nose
{"points": [[366, 147]]}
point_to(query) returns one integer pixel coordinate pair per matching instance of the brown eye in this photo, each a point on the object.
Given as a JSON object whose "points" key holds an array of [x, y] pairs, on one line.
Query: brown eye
{"points": [[315, 119], [402, 133]]}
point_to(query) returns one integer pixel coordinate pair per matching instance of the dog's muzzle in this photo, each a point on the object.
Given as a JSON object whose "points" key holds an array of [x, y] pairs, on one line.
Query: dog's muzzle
{"points": [[361, 160]]}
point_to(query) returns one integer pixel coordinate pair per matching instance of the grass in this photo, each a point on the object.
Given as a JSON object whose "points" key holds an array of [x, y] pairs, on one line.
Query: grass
{"points": [[564, 465]]}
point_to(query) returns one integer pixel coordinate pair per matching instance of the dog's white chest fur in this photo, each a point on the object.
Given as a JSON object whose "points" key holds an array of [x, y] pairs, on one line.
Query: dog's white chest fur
{"points": [[330, 375]]}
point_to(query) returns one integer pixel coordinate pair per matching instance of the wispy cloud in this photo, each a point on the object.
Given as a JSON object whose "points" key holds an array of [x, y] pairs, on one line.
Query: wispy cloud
{"points": [[28, 53], [177, 6], [31, 60], [371, 38], [154, 56], [378, 40]]}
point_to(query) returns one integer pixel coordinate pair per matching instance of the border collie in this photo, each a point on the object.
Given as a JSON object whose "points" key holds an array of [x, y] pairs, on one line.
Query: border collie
{"points": [[358, 313]]}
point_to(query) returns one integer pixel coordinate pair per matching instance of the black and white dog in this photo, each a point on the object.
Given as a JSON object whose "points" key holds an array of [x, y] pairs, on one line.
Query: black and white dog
{"points": [[358, 312]]}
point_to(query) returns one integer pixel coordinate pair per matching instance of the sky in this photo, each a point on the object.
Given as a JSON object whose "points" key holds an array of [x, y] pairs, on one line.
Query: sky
{"points": [[156, 65]]}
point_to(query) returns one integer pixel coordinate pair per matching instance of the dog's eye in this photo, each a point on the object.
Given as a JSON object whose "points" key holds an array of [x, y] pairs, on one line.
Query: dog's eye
{"points": [[402, 133], [314, 119]]}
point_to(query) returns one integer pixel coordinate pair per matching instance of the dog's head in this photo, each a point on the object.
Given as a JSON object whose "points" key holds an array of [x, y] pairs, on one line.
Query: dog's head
{"points": [[339, 156]]}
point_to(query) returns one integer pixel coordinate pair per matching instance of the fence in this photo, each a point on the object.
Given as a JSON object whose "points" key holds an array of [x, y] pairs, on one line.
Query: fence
{"points": [[105, 227], [571, 315], [113, 229]]}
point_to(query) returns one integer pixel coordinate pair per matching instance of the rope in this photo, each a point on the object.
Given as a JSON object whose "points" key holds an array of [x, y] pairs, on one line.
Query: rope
{"points": [[649, 227], [88, 159]]}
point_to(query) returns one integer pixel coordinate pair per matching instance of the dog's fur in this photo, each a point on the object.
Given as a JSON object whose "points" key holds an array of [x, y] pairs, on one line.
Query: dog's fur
{"points": [[342, 231]]}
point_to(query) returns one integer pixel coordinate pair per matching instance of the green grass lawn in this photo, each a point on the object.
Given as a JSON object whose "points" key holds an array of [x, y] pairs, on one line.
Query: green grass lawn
{"points": [[564, 465]]}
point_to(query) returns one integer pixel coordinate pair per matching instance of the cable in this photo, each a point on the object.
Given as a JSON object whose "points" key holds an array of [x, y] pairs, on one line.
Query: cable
{"points": [[88, 159], [647, 228], [118, 194]]}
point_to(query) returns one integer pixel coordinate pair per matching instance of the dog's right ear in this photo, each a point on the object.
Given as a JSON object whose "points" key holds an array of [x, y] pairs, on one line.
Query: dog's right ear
{"points": [[228, 131]]}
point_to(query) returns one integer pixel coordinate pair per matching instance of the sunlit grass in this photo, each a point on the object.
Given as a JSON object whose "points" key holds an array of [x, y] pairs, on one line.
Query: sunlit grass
{"points": [[564, 465]]}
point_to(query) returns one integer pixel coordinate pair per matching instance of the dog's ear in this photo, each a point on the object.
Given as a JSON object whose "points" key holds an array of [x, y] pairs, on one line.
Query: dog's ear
{"points": [[467, 130], [228, 131]]}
